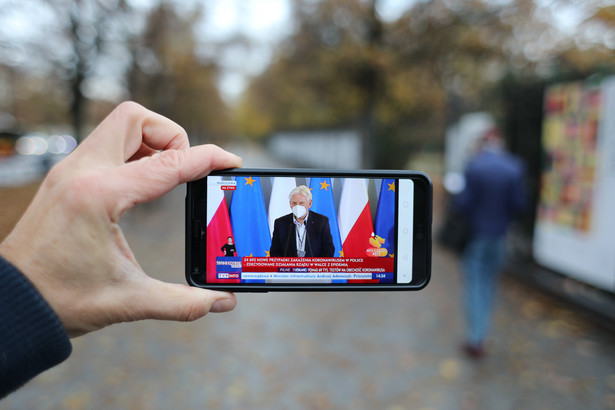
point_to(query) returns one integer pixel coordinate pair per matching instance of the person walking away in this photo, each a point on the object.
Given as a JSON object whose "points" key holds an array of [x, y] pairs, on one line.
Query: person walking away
{"points": [[493, 196]]}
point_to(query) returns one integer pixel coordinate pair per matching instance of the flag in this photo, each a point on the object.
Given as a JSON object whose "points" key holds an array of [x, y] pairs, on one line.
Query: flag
{"points": [[385, 215], [279, 204], [218, 226], [249, 218], [322, 202], [355, 218]]}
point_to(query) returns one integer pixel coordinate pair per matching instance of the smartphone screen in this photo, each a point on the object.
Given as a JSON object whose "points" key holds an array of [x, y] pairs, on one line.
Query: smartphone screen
{"points": [[309, 230]]}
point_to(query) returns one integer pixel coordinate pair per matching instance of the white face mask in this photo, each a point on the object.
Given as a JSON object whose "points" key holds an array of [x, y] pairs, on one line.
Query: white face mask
{"points": [[299, 211]]}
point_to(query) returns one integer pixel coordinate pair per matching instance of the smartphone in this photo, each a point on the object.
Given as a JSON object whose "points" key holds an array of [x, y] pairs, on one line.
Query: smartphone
{"points": [[260, 230]]}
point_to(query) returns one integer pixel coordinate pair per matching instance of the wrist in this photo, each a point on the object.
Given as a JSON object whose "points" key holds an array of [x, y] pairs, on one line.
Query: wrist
{"points": [[18, 257]]}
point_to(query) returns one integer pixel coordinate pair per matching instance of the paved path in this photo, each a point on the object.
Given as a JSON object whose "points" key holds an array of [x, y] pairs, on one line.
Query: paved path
{"points": [[328, 350]]}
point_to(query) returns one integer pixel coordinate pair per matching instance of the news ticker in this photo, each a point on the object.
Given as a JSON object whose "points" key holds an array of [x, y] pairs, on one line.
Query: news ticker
{"points": [[305, 268]]}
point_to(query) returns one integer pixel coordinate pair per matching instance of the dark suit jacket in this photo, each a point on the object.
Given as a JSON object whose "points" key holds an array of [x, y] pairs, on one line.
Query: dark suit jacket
{"points": [[318, 240], [494, 192]]}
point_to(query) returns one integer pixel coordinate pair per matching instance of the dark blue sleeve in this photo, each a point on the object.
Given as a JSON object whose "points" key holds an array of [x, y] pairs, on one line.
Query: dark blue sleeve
{"points": [[32, 338], [463, 201]]}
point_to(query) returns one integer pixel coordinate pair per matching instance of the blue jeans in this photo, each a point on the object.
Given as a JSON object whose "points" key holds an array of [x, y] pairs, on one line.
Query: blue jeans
{"points": [[482, 260]]}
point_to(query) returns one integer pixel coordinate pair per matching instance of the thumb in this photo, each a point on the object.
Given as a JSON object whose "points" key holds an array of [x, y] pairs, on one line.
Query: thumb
{"points": [[170, 301]]}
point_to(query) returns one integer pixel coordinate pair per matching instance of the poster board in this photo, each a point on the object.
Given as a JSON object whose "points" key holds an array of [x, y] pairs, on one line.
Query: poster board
{"points": [[575, 225]]}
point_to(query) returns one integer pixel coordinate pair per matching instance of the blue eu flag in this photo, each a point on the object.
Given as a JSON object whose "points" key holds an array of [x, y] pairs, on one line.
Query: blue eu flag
{"points": [[249, 218], [322, 202], [385, 215]]}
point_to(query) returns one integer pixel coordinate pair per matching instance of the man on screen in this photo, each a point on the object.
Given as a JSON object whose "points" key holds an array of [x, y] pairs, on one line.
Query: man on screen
{"points": [[301, 233]]}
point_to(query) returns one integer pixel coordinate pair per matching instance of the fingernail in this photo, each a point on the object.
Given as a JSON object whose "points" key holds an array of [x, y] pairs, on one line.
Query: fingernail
{"points": [[223, 305]]}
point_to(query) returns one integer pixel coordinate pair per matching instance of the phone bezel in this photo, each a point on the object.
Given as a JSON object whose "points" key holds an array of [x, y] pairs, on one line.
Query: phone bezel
{"points": [[196, 197]]}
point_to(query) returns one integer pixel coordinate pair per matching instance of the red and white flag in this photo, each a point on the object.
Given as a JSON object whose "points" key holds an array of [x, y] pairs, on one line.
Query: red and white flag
{"points": [[355, 218], [218, 226]]}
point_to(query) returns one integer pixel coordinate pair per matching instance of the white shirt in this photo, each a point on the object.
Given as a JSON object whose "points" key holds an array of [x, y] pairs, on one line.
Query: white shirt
{"points": [[300, 232]]}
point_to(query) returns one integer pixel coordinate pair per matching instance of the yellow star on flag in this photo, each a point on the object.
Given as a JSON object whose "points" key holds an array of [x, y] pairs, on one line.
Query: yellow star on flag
{"points": [[250, 181], [267, 254], [341, 254], [391, 186], [324, 185]]}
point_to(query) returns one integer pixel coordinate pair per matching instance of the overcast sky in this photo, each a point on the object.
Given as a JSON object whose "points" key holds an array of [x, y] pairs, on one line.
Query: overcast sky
{"points": [[265, 22]]}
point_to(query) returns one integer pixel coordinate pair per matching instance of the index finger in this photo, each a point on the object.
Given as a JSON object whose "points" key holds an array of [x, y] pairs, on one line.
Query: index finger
{"points": [[151, 177], [134, 125]]}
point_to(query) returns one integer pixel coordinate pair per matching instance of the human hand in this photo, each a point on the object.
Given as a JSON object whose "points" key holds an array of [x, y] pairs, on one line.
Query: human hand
{"points": [[69, 243]]}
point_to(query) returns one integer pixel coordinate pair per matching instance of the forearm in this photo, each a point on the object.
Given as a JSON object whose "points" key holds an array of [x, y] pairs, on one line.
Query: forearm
{"points": [[32, 337]]}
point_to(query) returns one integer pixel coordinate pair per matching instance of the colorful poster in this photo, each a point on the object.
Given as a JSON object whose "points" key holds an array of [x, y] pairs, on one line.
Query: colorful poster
{"points": [[575, 218], [572, 113]]}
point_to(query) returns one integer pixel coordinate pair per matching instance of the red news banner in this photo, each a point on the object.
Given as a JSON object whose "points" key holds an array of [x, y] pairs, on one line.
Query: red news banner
{"points": [[323, 265]]}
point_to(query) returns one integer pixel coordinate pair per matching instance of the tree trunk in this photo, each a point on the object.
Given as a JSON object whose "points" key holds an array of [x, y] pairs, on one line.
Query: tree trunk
{"points": [[370, 81]]}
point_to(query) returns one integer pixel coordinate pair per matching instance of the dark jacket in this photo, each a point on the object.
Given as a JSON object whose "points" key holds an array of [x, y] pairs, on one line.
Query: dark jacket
{"points": [[318, 241], [494, 192]]}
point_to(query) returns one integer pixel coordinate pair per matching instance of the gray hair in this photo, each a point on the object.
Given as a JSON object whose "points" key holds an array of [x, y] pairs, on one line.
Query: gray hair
{"points": [[303, 190]]}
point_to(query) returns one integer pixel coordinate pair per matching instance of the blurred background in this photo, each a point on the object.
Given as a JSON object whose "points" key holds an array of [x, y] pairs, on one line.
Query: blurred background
{"points": [[397, 84]]}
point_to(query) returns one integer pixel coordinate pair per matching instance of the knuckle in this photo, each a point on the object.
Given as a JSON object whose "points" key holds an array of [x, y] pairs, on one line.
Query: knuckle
{"points": [[172, 158], [172, 161], [128, 110], [181, 132], [69, 186], [195, 311]]}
